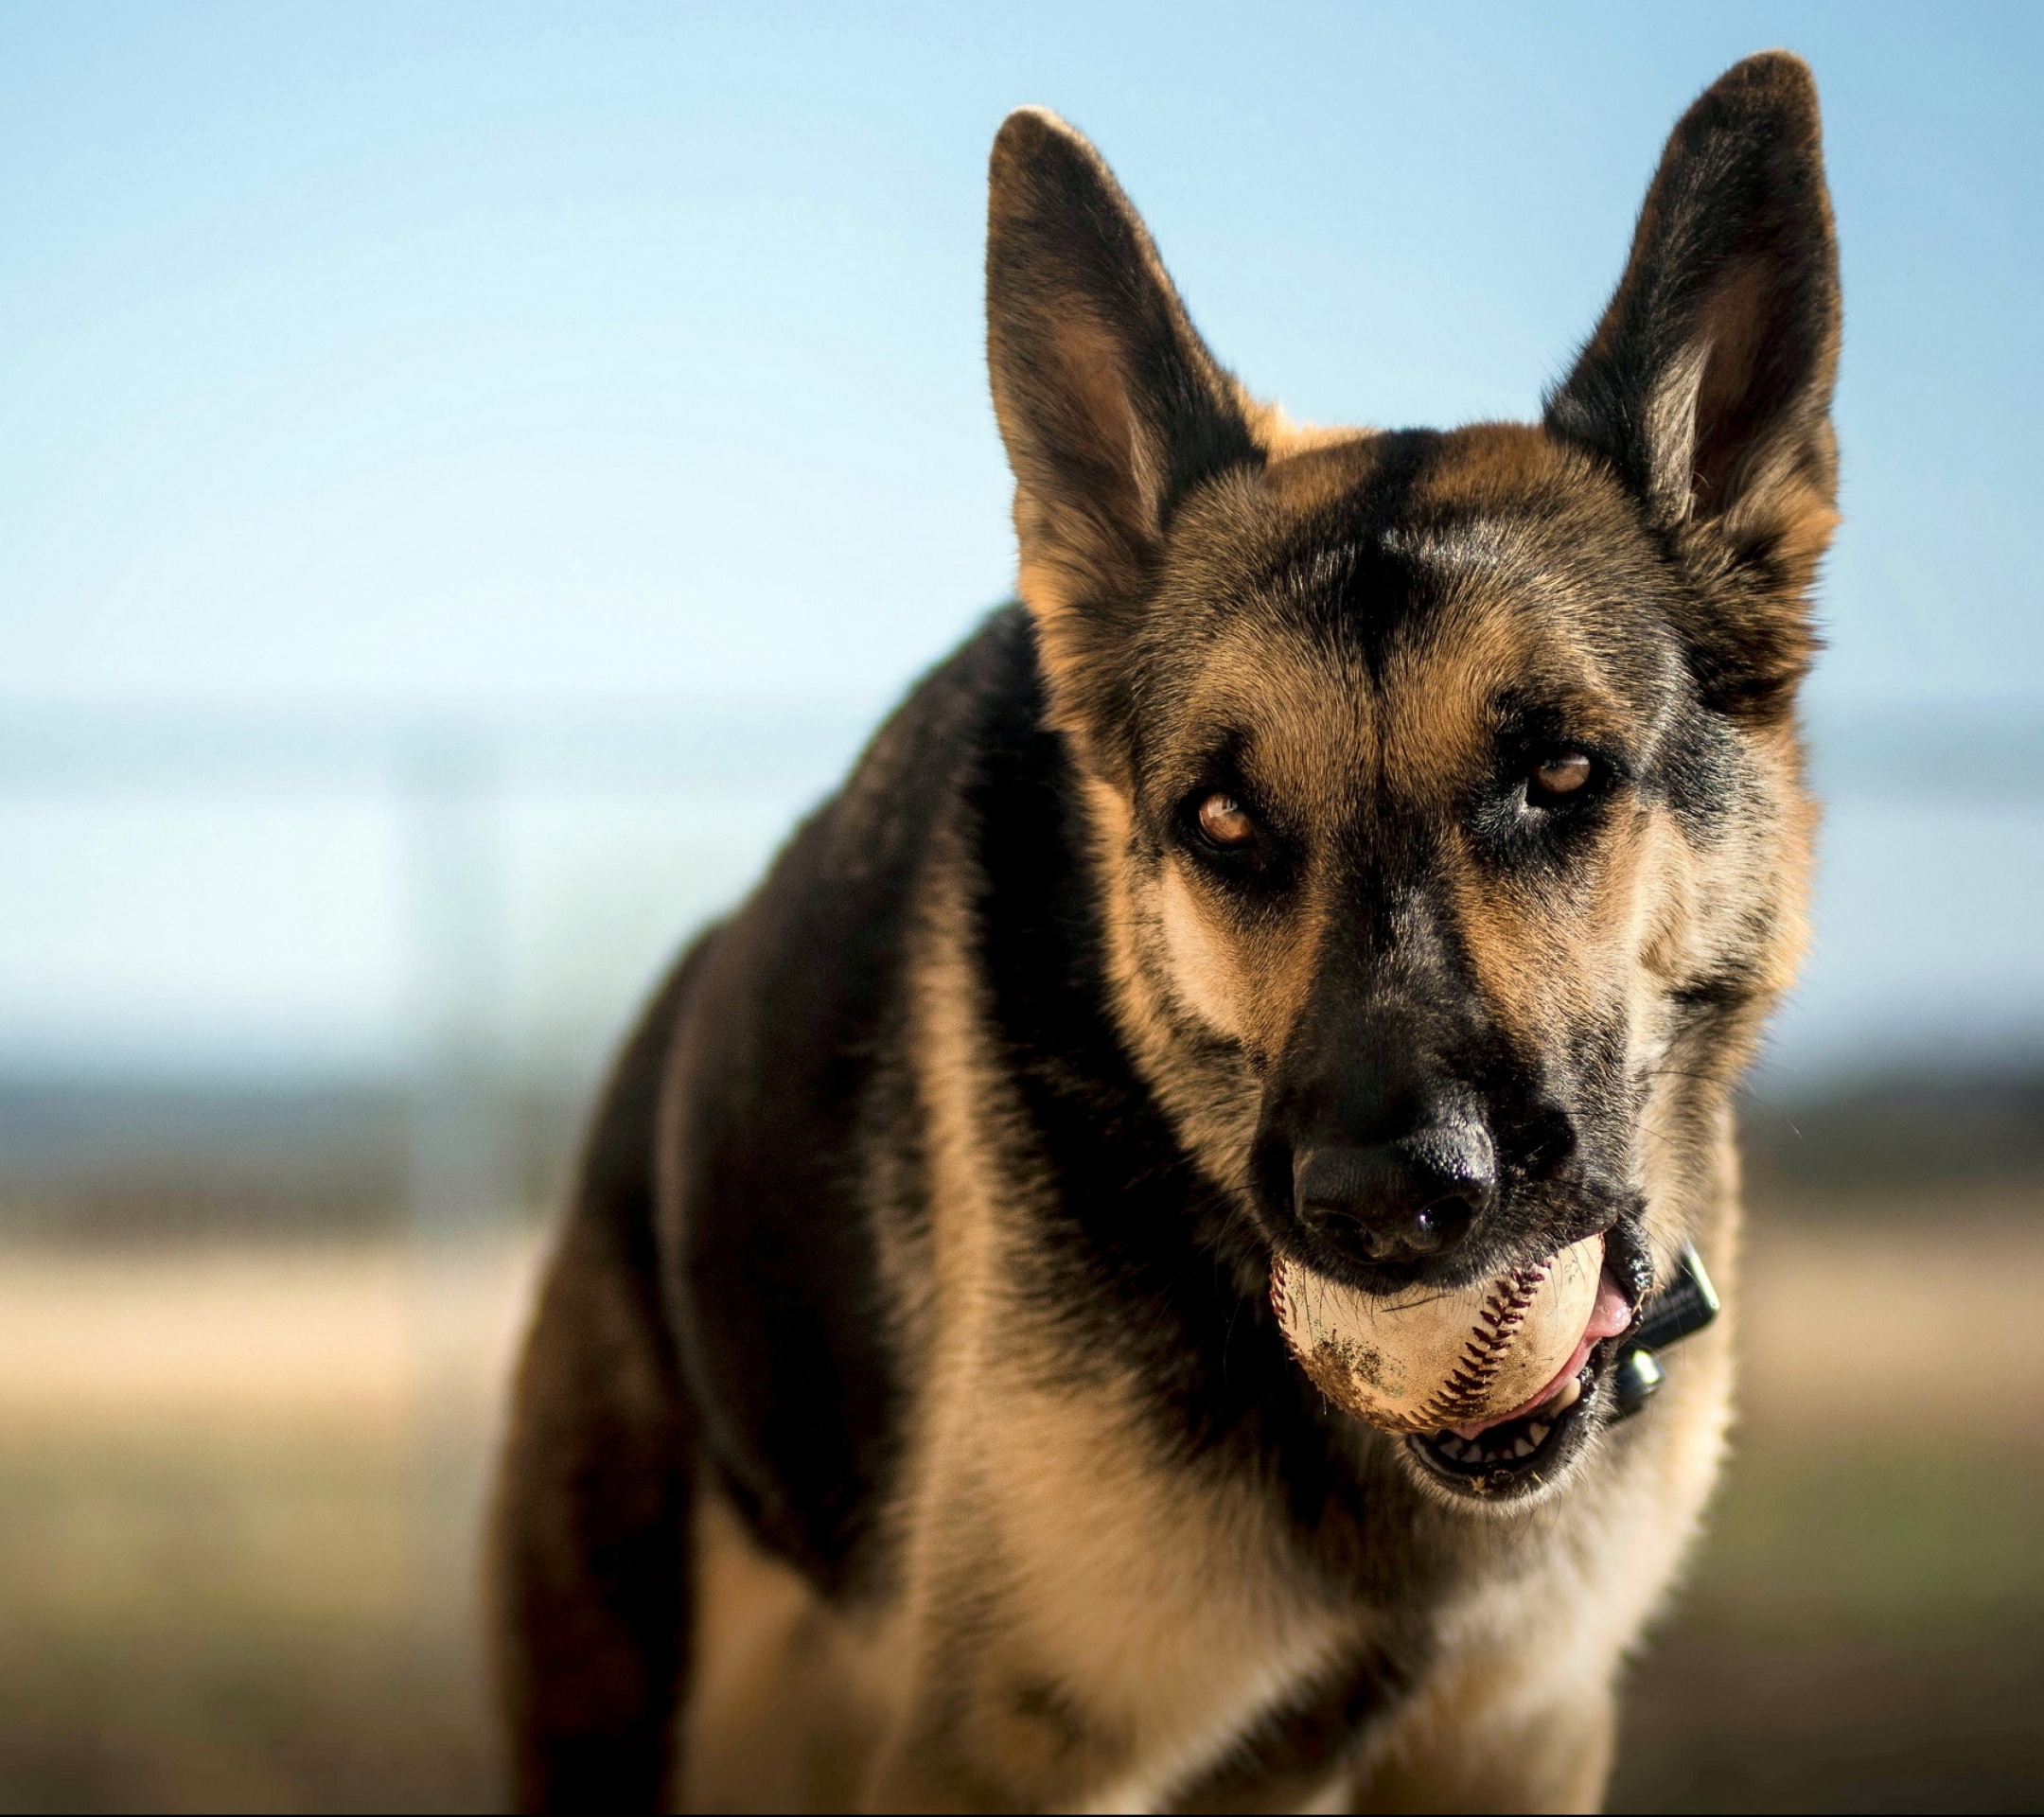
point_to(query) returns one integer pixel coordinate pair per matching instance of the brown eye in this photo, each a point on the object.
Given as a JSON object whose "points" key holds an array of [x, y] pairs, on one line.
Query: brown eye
{"points": [[1224, 821], [1563, 775]]}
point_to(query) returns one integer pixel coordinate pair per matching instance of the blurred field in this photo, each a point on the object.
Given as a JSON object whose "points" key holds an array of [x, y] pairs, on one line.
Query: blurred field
{"points": [[238, 1490], [1864, 1628], [238, 1487]]}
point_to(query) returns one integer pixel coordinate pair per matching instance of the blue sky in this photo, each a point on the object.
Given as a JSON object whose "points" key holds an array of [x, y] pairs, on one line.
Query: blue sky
{"points": [[603, 359], [450, 352]]}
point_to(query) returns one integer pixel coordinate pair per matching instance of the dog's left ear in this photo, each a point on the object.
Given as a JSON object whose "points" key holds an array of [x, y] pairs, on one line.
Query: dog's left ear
{"points": [[1708, 382], [1111, 407]]}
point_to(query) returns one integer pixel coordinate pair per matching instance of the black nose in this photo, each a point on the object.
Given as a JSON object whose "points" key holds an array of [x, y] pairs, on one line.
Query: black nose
{"points": [[1396, 1202]]}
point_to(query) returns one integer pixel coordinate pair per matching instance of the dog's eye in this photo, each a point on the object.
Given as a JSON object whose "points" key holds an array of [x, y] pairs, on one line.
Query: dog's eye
{"points": [[1224, 821], [1560, 774]]}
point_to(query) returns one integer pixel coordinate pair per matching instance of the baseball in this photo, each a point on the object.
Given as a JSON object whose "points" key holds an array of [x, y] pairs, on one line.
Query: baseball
{"points": [[1430, 1361]]}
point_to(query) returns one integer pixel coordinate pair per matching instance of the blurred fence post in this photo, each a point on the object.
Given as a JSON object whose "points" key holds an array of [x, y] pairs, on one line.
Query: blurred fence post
{"points": [[462, 1173], [464, 1177]]}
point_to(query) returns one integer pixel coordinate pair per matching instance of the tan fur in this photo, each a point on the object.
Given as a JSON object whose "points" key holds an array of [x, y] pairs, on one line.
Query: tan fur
{"points": [[1090, 1571], [1092, 1630], [1043, 1549]]}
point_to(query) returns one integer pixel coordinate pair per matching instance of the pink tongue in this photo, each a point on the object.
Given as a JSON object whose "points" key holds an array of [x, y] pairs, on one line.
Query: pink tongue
{"points": [[1611, 1313]]}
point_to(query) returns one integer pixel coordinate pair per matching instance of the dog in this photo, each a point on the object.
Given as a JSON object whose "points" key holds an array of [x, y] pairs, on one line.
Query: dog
{"points": [[1377, 850]]}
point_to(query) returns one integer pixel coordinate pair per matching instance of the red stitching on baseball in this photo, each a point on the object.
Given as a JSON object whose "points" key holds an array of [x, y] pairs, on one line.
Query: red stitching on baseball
{"points": [[1461, 1396]]}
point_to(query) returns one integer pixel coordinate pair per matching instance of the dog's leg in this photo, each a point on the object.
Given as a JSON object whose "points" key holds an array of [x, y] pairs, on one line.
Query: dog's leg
{"points": [[1086, 1628], [1466, 1745], [780, 1715], [591, 1521], [983, 1733]]}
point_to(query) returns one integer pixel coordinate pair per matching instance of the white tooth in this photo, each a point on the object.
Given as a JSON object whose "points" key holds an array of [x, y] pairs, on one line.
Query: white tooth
{"points": [[1522, 1448], [1538, 1433], [1570, 1394]]}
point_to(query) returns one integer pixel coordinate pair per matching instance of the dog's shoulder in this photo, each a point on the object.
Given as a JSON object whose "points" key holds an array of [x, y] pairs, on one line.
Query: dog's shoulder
{"points": [[786, 1077]]}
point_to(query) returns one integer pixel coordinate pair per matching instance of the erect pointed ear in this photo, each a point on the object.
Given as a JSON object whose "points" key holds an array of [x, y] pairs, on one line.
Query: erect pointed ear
{"points": [[1708, 382], [1108, 401]]}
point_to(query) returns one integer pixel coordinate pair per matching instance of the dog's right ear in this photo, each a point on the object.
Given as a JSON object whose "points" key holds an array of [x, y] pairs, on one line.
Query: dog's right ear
{"points": [[1111, 407]]}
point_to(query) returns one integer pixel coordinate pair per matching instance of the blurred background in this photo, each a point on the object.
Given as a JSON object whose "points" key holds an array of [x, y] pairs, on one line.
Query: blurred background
{"points": [[402, 646]]}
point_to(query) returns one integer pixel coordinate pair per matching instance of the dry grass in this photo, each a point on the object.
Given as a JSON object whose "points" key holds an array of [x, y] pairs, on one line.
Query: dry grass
{"points": [[239, 1492], [1856, 1329], [1865, 1628]]}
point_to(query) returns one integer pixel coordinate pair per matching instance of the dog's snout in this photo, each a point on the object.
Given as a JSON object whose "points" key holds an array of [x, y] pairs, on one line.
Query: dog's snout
{"points": [[1396, 1202]]}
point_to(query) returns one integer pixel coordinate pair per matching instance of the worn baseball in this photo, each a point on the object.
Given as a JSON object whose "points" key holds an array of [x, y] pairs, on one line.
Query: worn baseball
{"points": [[1431, 1361]]}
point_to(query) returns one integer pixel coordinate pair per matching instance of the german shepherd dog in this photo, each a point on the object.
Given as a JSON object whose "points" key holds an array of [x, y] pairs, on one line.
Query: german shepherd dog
{"points": [[1373, 849]]}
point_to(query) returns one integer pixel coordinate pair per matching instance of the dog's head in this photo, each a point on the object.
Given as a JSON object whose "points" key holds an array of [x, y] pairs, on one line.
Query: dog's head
{"points": [[1446, 784]]}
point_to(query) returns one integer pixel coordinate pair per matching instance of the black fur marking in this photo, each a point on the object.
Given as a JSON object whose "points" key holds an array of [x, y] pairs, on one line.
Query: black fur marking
{"points": [[1342, 572], [1699, 773], [1154, 1274], [774, 1270], [1289, 1757], [1147, 1265], [591, 1528]]}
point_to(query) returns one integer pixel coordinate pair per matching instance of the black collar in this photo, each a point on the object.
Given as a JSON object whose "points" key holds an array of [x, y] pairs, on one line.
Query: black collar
{"points": [[1686, 1304]]}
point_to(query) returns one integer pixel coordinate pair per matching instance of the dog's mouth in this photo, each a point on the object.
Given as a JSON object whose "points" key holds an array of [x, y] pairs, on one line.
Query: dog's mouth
{"points": [[1530, 1446], [1516, 1455]]}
